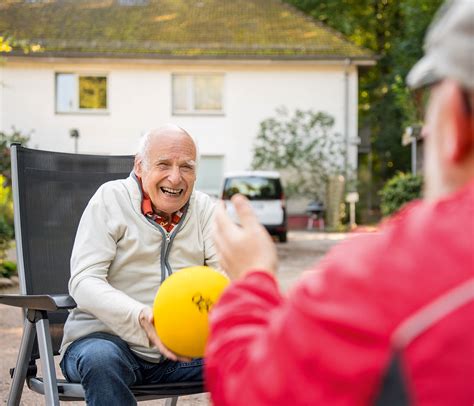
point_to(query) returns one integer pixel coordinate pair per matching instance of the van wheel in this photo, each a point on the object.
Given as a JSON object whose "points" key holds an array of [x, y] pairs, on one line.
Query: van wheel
{"points": [[282, 237]]}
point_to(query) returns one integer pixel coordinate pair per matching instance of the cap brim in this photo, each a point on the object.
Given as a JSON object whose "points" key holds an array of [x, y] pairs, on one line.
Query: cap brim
{"points": [[423, 73]]}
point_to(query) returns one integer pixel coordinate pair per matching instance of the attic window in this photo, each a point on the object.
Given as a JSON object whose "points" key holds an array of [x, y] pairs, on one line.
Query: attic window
{"points": [[132, 2], [80, 93], [198, 94]]}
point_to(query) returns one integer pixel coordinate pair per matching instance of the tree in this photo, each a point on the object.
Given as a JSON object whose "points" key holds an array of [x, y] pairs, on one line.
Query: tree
{"points": [[5, 45], [303, 147], [8, 44], [394, 30]]}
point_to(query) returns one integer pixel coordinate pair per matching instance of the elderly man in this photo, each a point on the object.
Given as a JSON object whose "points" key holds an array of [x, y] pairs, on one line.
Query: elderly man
{"points": [[388, 318], [132, 235]]}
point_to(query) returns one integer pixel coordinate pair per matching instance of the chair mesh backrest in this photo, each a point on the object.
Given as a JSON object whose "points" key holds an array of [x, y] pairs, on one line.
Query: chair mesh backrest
{"points": [[52, 191]]}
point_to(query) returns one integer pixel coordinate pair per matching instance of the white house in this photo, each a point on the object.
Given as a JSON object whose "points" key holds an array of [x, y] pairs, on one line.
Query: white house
{"points": [[113, 69]]}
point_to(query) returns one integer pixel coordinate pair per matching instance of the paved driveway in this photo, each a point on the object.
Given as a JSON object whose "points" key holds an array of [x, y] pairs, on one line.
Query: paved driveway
{"points": [[299, 254]]}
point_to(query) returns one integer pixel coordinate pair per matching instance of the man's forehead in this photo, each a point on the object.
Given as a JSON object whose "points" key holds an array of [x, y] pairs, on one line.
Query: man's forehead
{"points": [[172, 145]]}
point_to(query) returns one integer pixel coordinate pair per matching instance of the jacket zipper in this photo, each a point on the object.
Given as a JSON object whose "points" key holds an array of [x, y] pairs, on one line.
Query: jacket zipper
{"points": [[165, 266]]}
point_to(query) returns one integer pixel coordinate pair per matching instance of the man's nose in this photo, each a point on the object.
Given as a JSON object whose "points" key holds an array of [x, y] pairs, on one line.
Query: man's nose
{"points": [[175, 176]]}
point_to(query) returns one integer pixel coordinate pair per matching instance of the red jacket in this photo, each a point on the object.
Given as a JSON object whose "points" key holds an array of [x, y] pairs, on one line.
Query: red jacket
{"points": [[329, 341]]}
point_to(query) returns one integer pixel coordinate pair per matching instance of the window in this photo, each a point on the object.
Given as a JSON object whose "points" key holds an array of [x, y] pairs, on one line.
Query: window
{"points": [[254, 187], [198, 94], [79, 93], [209, 174]]}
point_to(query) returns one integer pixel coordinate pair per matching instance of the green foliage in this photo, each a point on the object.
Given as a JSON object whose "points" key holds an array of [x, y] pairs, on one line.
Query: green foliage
{"points": [[394, 30], [399, 190], [7, 269], [5, 228], [6, 234], [6, 139], [6, 201], [5, 45], [6, 216], [8, 43], [303, 147]]}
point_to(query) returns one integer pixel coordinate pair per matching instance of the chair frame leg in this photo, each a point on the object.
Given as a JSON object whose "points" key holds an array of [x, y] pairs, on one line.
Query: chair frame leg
{"points": [[21, 367], [47, 361]]}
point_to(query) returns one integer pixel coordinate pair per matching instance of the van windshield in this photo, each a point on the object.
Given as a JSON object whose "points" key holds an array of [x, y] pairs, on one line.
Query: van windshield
{"points": [[254, 187]]}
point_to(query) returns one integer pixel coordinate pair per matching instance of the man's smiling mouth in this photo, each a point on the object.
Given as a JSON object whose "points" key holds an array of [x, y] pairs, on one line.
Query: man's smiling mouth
{"points": [[171, 192]]}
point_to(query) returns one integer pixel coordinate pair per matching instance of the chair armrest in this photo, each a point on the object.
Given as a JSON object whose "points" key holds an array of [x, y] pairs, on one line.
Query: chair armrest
{"points": [[39, 302]]}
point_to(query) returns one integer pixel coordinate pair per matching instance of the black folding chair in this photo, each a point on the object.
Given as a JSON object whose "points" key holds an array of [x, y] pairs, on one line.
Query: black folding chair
{"points": [[50, 192]]}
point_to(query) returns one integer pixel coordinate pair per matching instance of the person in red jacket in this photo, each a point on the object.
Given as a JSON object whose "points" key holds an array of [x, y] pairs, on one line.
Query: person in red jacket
{"points": [[386, 319]]}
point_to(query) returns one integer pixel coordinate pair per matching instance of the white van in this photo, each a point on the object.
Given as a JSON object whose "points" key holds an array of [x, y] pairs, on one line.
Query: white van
{"points": [[265, 192]]}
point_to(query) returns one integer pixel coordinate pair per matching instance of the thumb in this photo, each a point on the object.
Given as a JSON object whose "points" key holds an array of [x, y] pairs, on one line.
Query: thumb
{"points": [[244, 211], [150, 317]]}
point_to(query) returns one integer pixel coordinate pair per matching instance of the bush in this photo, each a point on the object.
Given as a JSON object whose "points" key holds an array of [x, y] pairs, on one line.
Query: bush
{"points": [[6, 229], [7, 269], [6, 139], [399, 190]]}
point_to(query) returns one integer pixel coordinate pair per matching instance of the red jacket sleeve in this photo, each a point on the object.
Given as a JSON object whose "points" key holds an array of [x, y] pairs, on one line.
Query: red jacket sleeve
{"points": [[265, 349]]}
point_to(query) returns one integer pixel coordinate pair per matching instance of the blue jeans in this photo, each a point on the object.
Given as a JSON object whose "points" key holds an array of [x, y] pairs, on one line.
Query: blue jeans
{"points": [[106, 368]]}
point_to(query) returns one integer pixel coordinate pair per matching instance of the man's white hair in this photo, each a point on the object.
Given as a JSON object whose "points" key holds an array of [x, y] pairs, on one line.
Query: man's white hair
{"points": [[146, 139]]}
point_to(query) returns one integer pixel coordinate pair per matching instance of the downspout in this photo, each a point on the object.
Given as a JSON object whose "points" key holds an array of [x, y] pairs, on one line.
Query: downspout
{"points": [[413, 156], [347, 64]]}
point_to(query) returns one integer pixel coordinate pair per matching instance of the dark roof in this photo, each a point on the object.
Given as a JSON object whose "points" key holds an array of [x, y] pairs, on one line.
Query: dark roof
{"points": [[246, 29]]}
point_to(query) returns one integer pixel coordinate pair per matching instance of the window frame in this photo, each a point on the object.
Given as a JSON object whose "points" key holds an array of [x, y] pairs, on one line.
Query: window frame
{"points": [[190, 100], [78, 110]]}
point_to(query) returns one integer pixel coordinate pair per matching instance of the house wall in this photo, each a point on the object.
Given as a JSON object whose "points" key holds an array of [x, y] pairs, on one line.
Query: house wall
{"points": [[139, 98]]}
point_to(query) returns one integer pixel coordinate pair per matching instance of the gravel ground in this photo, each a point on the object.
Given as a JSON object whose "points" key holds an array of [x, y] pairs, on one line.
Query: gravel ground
{"points": [[302, 251]]}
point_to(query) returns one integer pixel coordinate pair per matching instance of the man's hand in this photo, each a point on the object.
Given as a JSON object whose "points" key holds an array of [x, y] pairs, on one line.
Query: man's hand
{"points": [[146, 321], [246, 247]]}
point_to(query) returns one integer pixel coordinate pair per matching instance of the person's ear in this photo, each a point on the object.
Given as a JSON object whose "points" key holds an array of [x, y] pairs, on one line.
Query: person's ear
{"points": [[462, 138], [137, 166]]}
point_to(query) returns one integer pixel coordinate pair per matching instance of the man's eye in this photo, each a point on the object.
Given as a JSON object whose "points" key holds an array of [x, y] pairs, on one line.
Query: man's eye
{"points": [[163, 166], [187, 168]]}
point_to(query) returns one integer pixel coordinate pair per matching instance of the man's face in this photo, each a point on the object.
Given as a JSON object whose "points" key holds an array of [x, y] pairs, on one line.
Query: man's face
{"points": [[440, 133], [431, 134], [169, 171]]}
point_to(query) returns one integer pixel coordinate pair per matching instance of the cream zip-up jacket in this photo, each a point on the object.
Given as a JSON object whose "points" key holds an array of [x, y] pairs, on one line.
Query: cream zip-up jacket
{"points": [[120, 258]]}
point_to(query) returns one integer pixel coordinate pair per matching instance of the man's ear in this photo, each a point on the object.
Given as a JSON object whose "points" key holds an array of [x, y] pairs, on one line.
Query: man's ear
{"points": [[137, 166], [462, 139]]}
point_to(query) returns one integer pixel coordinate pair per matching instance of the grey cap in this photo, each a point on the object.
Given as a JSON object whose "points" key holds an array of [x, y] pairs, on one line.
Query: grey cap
{"points": [[449, 47]]}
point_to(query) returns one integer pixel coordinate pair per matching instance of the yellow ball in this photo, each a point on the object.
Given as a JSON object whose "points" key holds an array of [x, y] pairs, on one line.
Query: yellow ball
{"points": [[181, 308]]}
